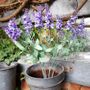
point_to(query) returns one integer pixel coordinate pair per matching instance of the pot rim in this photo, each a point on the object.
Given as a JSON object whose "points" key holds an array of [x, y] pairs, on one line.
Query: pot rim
{"points": [[61, 72], [8, 67], [53, 85]]}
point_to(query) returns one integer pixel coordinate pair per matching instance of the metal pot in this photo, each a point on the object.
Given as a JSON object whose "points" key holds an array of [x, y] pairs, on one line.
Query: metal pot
{"points": [[7, 76], [50, 83]]}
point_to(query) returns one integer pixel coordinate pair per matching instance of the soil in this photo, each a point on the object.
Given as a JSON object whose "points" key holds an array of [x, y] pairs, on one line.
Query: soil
{"points": [[38, 73]]}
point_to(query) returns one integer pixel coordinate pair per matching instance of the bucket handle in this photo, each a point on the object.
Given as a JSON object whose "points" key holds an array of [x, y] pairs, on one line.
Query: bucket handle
{"points": [[68, 69]]}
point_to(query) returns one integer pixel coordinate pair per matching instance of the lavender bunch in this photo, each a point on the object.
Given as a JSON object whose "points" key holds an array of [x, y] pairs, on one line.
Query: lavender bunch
{"points": [[27, 23], [53, 38], [12, 30]]}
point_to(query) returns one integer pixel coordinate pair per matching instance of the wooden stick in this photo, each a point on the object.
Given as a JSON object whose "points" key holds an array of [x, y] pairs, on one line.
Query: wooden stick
{"points": [[83, 2], [15, 13]]}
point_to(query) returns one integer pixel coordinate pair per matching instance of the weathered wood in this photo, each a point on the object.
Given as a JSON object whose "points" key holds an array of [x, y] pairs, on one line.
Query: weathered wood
{"points": [[6, 18]]}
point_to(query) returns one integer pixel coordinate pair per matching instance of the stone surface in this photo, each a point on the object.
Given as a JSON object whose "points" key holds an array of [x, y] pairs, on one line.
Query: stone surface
{"points": [[85, 9], [64, 7]]}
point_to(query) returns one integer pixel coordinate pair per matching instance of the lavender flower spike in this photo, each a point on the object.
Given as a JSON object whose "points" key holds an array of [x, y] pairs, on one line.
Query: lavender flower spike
{"points": [[80, 28], [71, 21], [48, 20], [12, 30], [38, 19], [59, 23], [27, 22]]}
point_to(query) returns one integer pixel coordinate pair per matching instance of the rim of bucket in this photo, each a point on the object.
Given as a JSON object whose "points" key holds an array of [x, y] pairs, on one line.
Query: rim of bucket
{"points": [[8, 67], [53, 85], [61, 72]]}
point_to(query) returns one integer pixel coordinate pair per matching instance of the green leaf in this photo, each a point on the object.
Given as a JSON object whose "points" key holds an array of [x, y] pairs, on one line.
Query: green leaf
{"points": [[19, 45], [28, 40], [48, 50], [44, 59], [65, 51], [42, 54], [35, 53], [37, 42], [37, 45], [59, 47]]}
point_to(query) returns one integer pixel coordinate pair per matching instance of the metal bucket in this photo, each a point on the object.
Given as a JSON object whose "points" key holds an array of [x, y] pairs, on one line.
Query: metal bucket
{"points": [[51, 83], [7, 76]]}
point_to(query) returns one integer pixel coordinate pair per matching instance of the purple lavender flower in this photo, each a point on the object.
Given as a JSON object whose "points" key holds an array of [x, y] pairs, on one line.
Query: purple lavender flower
{"points": [[78, 31], [48, 20], [52, 25], [40, 7], [27, 21], [74, 34], [12, 30], [80, 28], [38, 20], [70, 22], [59, 23]]}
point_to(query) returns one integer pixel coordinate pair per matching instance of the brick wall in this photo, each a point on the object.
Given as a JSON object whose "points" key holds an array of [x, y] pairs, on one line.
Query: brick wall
{"points": [[2, 1], [65, 86]]}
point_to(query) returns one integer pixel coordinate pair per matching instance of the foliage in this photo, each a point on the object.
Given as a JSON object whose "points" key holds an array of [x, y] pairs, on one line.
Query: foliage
{"points": [[40, 40], [8, 51]]}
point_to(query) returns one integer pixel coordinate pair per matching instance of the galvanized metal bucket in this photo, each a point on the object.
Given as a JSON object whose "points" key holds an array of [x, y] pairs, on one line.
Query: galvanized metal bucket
{"points": [[7, 76], [51, 83]]}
